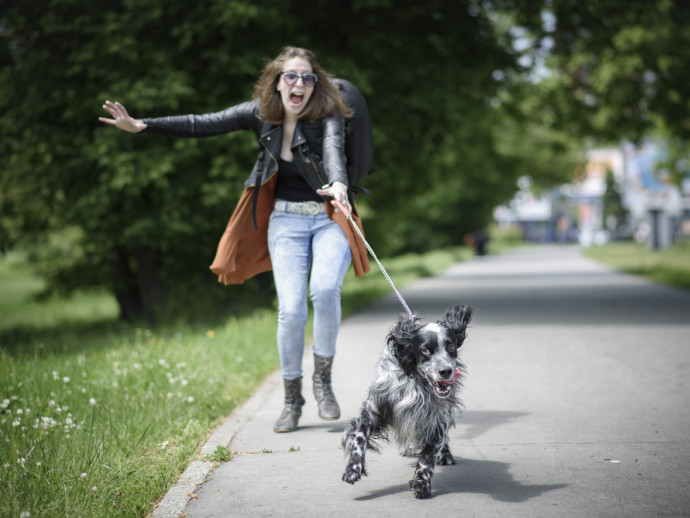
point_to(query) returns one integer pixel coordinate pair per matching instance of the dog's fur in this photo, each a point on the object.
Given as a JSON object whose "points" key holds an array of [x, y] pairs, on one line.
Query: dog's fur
{"points": [[414, 396]]}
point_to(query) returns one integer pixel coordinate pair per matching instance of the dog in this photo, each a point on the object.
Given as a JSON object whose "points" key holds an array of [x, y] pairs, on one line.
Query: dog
{"points": [[414, 397]]}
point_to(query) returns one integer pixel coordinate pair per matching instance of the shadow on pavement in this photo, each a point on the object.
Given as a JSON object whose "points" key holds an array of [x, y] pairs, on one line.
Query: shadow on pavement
{"points": [[486, 477], [480, 422], [473, 476]]}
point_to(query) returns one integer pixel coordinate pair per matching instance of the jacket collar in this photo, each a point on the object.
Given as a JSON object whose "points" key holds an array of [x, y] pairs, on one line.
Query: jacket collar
{"points": [[272, 137]]}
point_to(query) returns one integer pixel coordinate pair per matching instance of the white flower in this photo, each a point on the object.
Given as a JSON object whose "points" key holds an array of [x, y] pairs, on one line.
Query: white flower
{"points": [[16, 423], [83, 476], [52, 404], [65, 379], [184, 383], [5, 403], [21, 460], [163, 445], [25, 514], [92, 401], [190, 399], [20, 411], [48, 422], [94, 489]]}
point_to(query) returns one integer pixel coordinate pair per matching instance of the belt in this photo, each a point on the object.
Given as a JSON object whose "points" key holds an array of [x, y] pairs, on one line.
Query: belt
{"points": [[310, 208]]}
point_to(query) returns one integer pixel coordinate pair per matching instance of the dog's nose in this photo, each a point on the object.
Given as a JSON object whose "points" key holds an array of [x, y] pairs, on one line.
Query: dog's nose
{"points": [[446, 373]]}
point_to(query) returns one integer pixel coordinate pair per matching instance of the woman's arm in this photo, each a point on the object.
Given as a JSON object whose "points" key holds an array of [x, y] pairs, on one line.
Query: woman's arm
{"points": [[241, 116], [333, 149], [334, 160]]}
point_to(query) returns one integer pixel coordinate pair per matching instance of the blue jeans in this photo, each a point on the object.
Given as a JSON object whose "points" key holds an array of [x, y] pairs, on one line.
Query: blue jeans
{"points": [[297, 242]]}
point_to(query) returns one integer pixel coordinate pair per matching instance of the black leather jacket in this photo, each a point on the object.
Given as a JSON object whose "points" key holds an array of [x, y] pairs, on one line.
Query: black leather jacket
{"points": [[318, 146]]}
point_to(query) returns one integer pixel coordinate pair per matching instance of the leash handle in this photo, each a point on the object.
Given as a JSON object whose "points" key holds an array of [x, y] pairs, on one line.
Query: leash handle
{"points": [[348, 215]]}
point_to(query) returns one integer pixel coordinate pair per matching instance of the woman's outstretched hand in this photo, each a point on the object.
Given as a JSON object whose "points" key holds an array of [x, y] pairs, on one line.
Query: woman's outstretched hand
{"points": [[121, 119]]}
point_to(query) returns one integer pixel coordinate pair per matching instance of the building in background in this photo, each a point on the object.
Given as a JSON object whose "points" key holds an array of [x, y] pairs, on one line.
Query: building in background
{"points": [[656, 212]]}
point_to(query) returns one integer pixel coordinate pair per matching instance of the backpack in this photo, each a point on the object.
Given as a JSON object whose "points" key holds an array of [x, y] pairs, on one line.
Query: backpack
{"points": [[359, 141]]}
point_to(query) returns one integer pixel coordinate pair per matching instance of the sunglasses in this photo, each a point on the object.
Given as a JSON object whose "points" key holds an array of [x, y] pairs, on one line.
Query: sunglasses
{"points": [[308, 80]]}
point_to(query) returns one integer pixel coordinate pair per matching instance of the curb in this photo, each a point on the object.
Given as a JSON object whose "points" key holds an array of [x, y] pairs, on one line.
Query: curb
{"points": [[175, 501]]}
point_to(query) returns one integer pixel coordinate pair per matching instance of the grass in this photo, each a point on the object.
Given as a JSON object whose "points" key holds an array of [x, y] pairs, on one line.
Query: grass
{"points": [[98, 418], [670, 266]]}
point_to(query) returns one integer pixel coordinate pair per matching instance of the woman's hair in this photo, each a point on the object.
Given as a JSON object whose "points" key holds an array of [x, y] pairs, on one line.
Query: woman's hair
{"points": [[324, 102]]}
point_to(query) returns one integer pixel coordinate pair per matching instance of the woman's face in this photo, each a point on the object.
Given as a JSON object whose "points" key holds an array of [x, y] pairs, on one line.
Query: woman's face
{"points": [[295, 97]]}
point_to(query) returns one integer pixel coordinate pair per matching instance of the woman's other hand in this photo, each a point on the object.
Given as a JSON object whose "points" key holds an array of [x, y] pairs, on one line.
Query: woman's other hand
{"points": [[121, 119], [337, 191]]}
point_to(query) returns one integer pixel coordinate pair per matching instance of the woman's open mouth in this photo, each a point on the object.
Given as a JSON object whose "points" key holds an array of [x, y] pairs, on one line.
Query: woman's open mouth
{"points": [[296, 99]]}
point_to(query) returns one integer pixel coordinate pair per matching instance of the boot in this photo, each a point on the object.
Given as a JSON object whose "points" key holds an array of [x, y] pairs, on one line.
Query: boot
{"points": [[287, 422], [328, 406]]}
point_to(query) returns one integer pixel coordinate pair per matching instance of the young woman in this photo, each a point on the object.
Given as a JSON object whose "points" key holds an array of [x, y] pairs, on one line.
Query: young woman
{"points": [[283, 220]]}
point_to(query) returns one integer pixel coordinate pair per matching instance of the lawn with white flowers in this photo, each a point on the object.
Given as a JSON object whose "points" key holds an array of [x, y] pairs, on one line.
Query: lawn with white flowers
{"points": [[102, 424], [99, 418]]}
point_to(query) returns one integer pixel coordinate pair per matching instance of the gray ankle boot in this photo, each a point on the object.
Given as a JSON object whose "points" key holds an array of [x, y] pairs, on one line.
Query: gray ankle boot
{"points": [[287, 422], [323, 392]]}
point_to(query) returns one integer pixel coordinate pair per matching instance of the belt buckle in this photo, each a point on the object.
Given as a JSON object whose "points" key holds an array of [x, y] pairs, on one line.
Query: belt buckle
{"points": [[310, 208]]}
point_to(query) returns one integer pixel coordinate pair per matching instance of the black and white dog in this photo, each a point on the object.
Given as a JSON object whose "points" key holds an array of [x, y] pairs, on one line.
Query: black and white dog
{"points": [[414, 397]]}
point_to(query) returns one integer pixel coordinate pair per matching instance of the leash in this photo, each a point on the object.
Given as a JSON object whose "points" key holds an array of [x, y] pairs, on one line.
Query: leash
{"points": [[347, 214]]}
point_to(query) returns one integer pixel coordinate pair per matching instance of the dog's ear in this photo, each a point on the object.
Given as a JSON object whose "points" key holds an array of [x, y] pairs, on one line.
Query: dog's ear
{"points": [[457, 318], [400, 342]]}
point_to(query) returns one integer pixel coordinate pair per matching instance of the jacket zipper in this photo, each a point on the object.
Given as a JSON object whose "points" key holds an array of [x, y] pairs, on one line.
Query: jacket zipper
{"points": [[316, 169]]}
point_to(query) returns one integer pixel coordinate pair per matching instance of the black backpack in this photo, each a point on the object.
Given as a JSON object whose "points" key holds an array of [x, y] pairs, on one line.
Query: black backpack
{"points": [[359, 142]]}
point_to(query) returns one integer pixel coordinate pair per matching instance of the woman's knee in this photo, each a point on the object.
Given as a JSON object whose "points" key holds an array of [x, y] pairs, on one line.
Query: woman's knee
{"points": [[293, 316], [325, 296]]}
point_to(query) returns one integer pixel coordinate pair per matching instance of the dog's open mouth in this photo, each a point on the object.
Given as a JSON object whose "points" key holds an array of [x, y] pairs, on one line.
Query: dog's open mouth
{"points": [[443, 388]]}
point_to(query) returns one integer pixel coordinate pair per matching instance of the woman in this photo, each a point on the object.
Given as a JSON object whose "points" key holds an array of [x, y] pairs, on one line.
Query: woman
{"points": [[283, 221]]}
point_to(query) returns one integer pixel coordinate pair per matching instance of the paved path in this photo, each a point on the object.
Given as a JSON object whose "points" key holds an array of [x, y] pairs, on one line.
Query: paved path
{"points": [[577, 404]]}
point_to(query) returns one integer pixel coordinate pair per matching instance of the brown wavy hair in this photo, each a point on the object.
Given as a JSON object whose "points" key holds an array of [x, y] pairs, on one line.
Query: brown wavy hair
{"points": [[324, 102]]}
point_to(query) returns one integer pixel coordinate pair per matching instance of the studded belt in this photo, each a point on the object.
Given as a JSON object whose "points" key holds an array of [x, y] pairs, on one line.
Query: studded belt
{"points": [[310, 208]]}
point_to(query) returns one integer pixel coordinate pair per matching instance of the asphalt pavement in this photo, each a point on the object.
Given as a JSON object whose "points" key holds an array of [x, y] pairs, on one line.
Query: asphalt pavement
{"points": [[577, 404]]}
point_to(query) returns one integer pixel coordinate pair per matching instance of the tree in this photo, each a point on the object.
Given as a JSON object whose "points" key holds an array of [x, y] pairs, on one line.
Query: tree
{"points": [[617, 68], [141, 215], [614, 214]]}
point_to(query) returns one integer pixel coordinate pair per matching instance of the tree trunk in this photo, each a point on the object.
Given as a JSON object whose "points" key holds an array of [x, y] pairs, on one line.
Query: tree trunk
{"points": [[140, 293], [151, 290]]}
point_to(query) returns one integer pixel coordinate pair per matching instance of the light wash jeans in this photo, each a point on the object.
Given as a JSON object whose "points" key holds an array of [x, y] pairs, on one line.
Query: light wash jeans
{"points": [[297, 242]]}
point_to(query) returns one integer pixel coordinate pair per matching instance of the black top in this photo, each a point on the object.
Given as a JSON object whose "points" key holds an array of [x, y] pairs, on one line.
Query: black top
{"points": [[291, 185]]}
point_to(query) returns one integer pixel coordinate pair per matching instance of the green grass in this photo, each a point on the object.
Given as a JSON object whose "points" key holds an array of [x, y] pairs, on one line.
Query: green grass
{"points": [[18, 309], [670, 266], [99, 418]]}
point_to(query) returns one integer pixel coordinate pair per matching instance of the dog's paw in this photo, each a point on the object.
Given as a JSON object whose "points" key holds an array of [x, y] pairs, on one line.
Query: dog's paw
{"points": [[445, 459], [353, 472], [420, 488]]}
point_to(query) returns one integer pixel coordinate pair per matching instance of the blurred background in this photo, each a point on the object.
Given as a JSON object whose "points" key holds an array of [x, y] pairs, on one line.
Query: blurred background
{"points": [[558, 121]]}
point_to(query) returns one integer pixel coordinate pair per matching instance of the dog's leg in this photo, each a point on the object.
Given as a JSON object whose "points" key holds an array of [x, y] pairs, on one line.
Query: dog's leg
{"points": [[420, 485], [356, 442], [445, 456]]}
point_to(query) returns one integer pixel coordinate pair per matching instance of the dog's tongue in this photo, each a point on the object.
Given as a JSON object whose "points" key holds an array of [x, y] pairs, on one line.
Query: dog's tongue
{"points": [[456, 375]]}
